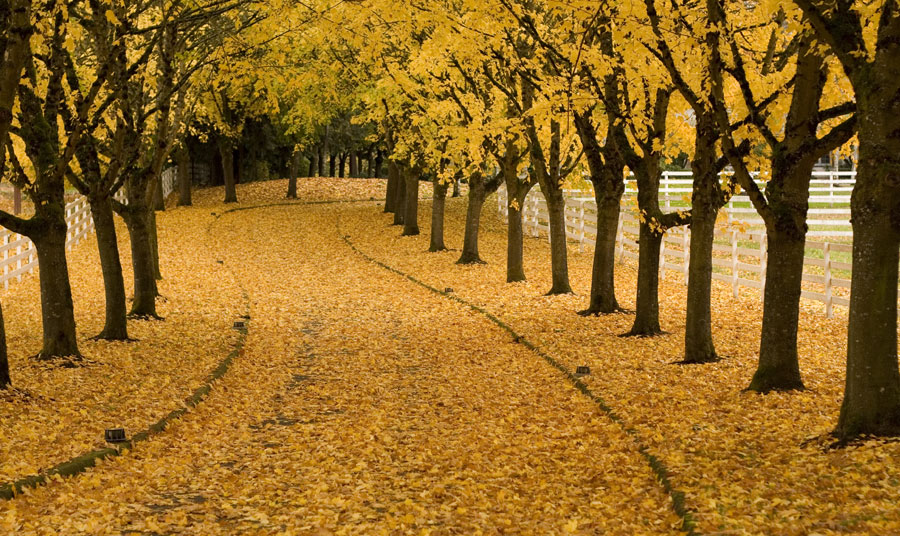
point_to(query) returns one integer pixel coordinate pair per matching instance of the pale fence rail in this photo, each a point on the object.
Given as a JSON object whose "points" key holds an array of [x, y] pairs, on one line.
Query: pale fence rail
{"points": [[18, 256], [739, 258], [829, 198]]}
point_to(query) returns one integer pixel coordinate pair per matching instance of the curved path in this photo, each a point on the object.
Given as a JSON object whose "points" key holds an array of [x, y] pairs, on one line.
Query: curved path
{"points": [[363, 404]]}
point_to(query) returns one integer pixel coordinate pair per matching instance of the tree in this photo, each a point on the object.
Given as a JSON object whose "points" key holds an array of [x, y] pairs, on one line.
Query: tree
{"points": [[15, 32], [866, 40]]}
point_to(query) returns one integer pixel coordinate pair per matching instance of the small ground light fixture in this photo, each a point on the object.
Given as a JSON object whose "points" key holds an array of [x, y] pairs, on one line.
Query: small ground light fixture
{"points": [[239, 324], [582, 370], [115, 435]]}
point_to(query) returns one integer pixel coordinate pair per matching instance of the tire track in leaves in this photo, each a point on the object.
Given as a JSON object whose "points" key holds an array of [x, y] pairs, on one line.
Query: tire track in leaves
{"points": [[662, 473]]}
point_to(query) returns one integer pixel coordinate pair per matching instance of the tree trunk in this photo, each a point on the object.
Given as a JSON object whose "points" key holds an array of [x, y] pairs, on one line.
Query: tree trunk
{"points": [[320, 163], [145, 289], [184, 177], [698, 344], [342, 164], [411, 215], [603, 283], [312, 165], [154, 246], [227, 153], [5, 380], [438, 203], [292, 180], [473, 221], [779, 367], [57, 309], [872, 392], [159, 200], [331, 165], [556, 208], [370, 167], [379, 160], [515, 246], [400, 197], [354, 165], [456, 192], [646, 316], [116, 328]]}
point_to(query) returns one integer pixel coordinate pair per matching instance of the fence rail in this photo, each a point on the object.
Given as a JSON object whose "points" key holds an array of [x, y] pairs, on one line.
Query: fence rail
{"points": [[18, 256], [739, 258]]}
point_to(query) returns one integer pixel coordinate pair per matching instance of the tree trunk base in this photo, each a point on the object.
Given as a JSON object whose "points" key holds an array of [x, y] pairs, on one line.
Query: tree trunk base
{"points": [[134, 315], [470, 259], [699, 359], [603, 310], [765, 381], [410, 232], [643, 333], [559, 289], [435, 249]]}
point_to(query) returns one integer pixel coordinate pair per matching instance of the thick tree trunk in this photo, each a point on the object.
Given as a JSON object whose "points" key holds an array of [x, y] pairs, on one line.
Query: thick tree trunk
{"points": [[57, 309], [603, 282], [312, 165], [154, 246], [159, 200], [320, 161], [411, 215], [184, 178], [379, 160], [400, 197], [473, 222], [332, 159], [227, 153], [145, 289], [872, 392], [292, 180], [438, 203], [116, 328], [342, 164], [698, 343], [559, 261], [779, 367], [354, 165], [646, 316], [515, 246], [5, 379], [456, 192]]}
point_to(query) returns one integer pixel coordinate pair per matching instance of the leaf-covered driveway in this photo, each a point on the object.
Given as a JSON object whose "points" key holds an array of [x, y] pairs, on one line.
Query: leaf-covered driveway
{"points": [[363, 404]]}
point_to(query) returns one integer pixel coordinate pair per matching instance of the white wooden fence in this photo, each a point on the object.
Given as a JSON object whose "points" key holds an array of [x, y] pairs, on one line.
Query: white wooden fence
{"points": [[18, 256], [739, 258], [829, 198]]}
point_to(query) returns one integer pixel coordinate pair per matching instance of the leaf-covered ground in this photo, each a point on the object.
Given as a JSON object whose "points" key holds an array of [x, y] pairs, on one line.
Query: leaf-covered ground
{"points": [[56, 413], [363, 403]]}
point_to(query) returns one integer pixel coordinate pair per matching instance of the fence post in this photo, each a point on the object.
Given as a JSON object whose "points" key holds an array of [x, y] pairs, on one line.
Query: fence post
{"points": [[620, 238], [581, 227], [662, 257], [829, 302], [763, 261], [734, 264]]}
